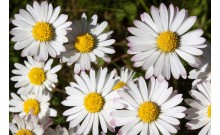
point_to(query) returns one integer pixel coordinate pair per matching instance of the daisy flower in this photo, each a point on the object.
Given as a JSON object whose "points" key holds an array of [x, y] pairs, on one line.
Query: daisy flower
{"points": [[35, 76], [37, 103], [87, 42], [125, 76], [60, 131], [40, 30], [200, 112], [154, 109], [28, 126], [91, 99], [160, 40], [203, 71]]}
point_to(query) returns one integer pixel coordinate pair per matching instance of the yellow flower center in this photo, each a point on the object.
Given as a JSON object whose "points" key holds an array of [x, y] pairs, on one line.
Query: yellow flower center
{"points": [[85, 43], [94, 102], [37, 76], [31, 104], [119, 85], [148, 112], [167, 41], [24, 132], [209, 111], [43, 31]]}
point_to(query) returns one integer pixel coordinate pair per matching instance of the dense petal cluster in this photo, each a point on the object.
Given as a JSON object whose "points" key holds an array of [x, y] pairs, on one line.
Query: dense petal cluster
{"points": [[200, 112], [29, 126], [100, 99]]}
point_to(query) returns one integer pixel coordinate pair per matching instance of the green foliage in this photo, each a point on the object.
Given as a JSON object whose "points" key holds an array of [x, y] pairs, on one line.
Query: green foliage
{"points": [[120, 15]]}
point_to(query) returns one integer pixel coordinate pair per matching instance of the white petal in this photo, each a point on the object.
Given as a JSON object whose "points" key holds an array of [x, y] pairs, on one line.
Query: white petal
{"points": [[162, 129], [106, 42], [164, 16], [129, 99], [22, 24], [146, 18], [100, 28], [186, 25], [187, 57], [159, 65], [95, 130], [78, 119], [62, 18], [55, 14], [50, 11], [27, 17], [156, 18], [151, 60], [23, 44], [178, 20]]}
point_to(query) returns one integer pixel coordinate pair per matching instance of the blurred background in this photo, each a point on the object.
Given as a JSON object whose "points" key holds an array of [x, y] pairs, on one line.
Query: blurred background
{"points": [[120, 15]]}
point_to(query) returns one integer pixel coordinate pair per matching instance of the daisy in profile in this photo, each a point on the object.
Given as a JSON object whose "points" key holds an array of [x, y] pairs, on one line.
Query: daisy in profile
{"points": [[203, 71], [200, 112], [35, 76], [125, 76], [40, 30], [91, 99], [29, 126], [60, 131], [87, 41], [160, 39], [37, 104], [154, 109]]}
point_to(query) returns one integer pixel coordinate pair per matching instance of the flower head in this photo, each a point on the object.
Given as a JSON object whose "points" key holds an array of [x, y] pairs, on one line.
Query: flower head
{"points": [[160, 39], [153, 109], [40, 31], [35, 76], [87, 42], [91, 99], [37, 104], [29, 126]]}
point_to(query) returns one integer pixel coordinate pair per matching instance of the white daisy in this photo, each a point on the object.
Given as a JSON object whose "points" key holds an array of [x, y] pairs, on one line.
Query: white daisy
{"points": [[159, 40], [37, 103], [203, 71], [125, 76], [154, 109], [29, 126], [60, 131], [87, 42], [91, 99], [200, 112], [40, 30], [35, 76]]}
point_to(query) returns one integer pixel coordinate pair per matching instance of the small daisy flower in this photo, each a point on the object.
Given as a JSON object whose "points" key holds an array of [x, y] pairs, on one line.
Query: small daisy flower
{"points": [[203, 71], [154, 109], [87, 41], [37, 104], [28, 126], [125, 76], [60, 131], [160, 40], [200, 112], [91, 99], [35, 76], [40, 30]]}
